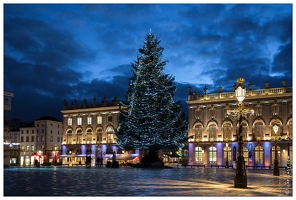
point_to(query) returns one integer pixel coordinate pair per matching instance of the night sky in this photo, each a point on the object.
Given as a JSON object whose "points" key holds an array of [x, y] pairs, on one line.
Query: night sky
{"points": [[54, 52]]}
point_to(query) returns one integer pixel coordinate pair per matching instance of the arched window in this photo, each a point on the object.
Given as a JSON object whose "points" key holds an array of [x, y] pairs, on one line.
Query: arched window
{"points": [[99, 135], [198, 155], [213, 155], [259, 155], [69, 137], [78, 151], [258, 131], [88, 151], [79, 136], [110, 135], [227, 152], [198, 132], [212, 132], [88, 136], [227, 131]]}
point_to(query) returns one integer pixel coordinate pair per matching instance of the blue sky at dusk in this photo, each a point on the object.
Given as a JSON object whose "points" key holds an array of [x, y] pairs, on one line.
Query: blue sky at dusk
{"points": [[80, 51]]}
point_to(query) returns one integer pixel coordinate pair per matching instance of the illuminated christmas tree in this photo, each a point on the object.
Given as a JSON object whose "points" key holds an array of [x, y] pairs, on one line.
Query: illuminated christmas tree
{"points": [[153, 120]]}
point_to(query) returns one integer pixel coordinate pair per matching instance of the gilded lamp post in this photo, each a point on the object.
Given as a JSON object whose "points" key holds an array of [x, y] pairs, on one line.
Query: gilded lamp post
{"points": [[276, 171], [240, 179]]}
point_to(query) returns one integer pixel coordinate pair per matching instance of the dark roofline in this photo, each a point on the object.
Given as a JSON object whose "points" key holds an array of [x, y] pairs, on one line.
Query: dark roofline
{"points": [[48, 118]]}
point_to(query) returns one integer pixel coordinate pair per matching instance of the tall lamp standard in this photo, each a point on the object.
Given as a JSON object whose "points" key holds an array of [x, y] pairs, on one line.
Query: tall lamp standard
{"points": [[240, 178], [276, 171]]}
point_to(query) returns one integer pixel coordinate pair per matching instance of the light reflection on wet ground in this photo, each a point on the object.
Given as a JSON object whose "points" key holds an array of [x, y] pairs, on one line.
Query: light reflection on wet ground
{"points": [[126, 181]]}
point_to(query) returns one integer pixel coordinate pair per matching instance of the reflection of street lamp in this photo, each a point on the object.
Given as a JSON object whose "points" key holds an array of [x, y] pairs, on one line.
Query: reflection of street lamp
{"points": [[276, 170], [226, 155], [55, 155], [240, 179]]}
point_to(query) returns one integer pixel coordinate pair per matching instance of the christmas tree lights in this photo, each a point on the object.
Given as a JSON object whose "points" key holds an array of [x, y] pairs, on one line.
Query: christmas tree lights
{"points": [[152, 117]]}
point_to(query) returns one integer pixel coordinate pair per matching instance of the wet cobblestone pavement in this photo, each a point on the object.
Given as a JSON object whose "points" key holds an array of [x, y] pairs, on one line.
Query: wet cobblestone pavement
{"points": [[126, 181]]}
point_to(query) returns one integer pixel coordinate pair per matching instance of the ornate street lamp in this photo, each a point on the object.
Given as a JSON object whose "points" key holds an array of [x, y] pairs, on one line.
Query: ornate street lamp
{"points": [[226, 155], [276, 171], [240, 179]]}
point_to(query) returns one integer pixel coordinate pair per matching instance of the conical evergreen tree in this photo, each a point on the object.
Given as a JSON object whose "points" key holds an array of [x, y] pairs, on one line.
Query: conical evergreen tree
{"points": [[153, 118]]}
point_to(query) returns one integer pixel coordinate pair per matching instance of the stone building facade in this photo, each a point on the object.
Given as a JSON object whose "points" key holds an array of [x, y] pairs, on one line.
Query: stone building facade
{"points": [[90, 131], [214, 132]]}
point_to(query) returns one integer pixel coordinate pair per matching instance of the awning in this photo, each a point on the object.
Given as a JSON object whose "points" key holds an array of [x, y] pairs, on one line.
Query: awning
{"points": [[125, 156]]}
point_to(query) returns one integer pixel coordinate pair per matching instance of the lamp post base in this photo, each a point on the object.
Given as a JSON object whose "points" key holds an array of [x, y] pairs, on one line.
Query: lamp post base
{"points": [[276, 171], [240, 179], [226, 166]]}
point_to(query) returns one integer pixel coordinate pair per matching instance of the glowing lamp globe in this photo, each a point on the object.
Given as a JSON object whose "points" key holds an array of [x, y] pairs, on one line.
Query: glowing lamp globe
{"points": [[240, 94], [240, 91]]}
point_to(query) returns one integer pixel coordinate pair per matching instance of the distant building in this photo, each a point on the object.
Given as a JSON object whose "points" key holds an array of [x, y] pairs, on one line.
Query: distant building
{"points": [[214, 132], [11, 148], [90, 132], [41, 140]]}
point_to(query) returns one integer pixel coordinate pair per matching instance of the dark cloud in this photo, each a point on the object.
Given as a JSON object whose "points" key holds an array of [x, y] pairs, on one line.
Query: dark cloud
{"points": [[54, 52]]}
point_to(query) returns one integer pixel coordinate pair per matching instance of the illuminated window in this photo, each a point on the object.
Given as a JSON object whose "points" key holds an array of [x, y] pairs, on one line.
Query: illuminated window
{"points": [[69, 137], [27, 148], [259, 155], [42, 138], [275, 109], [245, 153], [198, 132], [69, 121], [258, 131], [212, 132], [197, 113], [51, 138], [213, 155], [110, 133], [99, 135], [212, 112], [88, 120], [198, 155], [258, 109], [79, 121], [79, 137], [99, 119], [88, 136], [227, 151], [226, 131]]}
